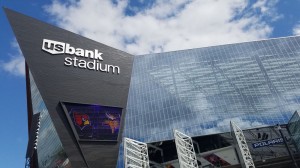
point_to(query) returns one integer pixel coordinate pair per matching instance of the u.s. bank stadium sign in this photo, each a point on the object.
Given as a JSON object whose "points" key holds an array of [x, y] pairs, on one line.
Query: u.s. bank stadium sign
{"points": [[82, 58]]}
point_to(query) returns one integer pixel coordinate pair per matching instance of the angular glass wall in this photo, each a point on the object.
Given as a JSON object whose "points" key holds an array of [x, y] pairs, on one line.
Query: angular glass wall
{"points": [[198, 91], [50, 150], [294, 128]]}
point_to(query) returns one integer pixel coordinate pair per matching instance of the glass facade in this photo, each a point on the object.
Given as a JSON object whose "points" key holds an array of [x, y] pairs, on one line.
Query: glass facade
{"points": [[198, 91], [50, 150], [294, 128]]}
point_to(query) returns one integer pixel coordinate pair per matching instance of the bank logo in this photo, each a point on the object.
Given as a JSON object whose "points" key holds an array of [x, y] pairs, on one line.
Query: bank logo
{"points": [[56, 47], [53, 47]]}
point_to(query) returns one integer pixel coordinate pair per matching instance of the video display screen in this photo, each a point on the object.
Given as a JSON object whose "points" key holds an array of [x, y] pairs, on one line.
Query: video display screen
{"points": [[94, 122]]}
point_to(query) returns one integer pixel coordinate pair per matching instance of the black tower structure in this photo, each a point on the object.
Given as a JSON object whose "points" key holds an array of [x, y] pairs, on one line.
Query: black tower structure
{"points": [[97, 81]]}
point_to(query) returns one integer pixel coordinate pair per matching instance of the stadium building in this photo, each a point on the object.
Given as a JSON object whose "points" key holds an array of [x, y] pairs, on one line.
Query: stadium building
{"points": [[85, 97]]}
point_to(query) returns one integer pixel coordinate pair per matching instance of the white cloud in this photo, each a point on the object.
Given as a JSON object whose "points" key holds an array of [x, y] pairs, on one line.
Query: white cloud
{"points": [[166, 25], [243, 124], [296, 29], [16, 64], [266, 8]]}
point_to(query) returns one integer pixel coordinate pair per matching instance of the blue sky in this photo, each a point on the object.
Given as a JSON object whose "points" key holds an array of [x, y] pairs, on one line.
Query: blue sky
{"points": [[137, 27]]}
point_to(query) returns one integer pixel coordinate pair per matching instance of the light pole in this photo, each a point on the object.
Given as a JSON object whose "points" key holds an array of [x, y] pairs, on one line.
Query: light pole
{"points": [[286, 145]]}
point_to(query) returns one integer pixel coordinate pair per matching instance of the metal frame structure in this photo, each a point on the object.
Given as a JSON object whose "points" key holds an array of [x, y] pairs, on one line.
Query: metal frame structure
{"points": [[243, 150], [185, 150], [135, 154]]}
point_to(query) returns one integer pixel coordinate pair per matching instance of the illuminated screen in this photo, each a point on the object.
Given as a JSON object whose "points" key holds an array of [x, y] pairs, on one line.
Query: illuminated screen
{"points": [[94, 122]]}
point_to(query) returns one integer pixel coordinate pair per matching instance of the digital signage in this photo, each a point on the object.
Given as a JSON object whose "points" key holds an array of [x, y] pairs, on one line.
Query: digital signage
{"points": [[93, 122]]}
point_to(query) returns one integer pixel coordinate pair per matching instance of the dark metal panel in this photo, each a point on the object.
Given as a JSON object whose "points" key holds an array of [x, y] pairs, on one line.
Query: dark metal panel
{"points": [[29, 101], [59, 83]]}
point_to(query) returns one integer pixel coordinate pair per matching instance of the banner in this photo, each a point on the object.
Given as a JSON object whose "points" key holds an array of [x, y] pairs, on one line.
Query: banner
{"points": [[267, 143]]}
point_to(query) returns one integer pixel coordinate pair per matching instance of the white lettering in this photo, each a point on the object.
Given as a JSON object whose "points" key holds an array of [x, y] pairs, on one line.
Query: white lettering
{"points": [[56, 47], [91, 65], [79, 52], [98, 55], [68, 61], [69, 49], [53, 47], [82, 64], [89, 53], [113, 68]]}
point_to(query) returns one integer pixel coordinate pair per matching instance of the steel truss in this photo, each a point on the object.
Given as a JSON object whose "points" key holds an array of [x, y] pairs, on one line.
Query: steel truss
{"points": [[185, 150], [135, 154], [243, 151]]}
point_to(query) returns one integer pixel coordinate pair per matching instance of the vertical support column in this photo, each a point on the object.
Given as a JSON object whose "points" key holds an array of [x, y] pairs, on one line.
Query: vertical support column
{"points": [[185, 150], [135, 154], [31, 154], [241, 146]]}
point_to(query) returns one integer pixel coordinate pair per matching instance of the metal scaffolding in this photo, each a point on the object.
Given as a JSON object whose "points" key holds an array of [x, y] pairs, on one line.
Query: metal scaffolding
{"points": [[135, 154], [243, 150], [185, 150]]}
